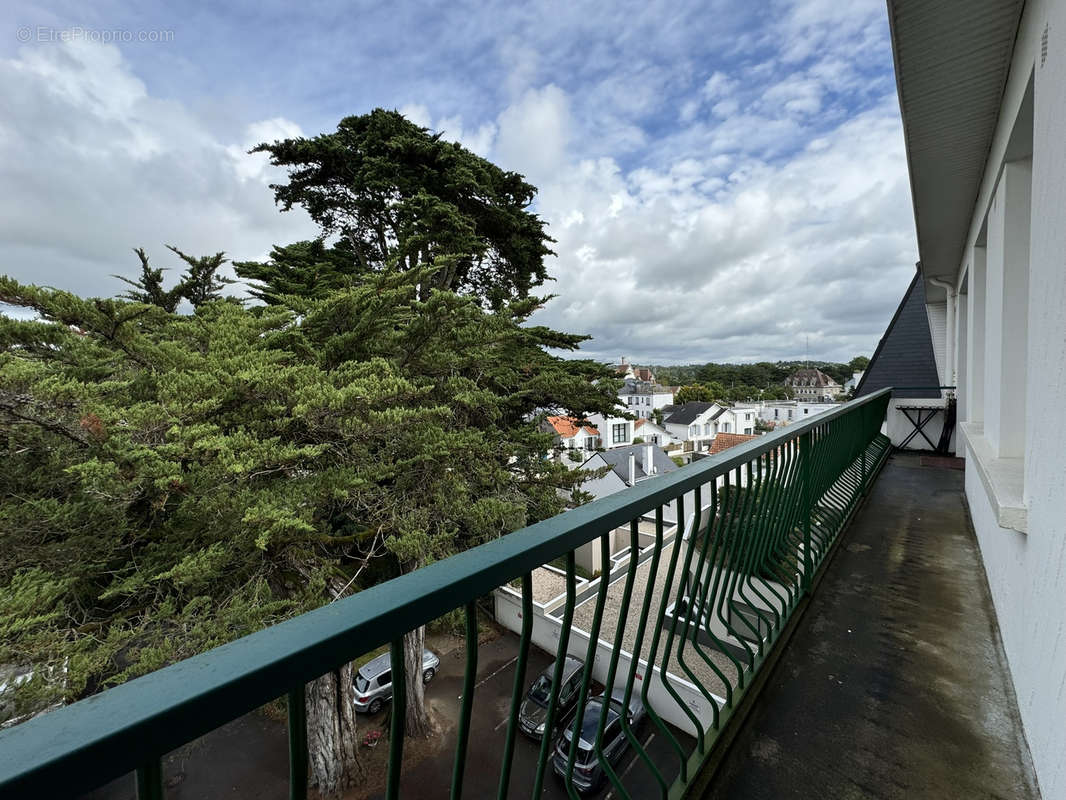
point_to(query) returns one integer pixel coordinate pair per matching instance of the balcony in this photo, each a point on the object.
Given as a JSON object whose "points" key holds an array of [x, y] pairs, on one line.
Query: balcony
{"points": [[803, 615]]}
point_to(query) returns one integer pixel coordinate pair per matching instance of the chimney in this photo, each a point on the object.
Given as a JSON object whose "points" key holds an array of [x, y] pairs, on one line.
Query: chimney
{"points": [[649, 460], [625, 361], [633, 469]]}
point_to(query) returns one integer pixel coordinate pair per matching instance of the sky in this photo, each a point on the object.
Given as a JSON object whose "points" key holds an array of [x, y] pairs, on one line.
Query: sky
{"points": [[725, 180]]}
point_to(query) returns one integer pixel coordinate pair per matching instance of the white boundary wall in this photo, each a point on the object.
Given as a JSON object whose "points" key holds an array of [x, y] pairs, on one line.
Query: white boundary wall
{"points": [[546, 631]]}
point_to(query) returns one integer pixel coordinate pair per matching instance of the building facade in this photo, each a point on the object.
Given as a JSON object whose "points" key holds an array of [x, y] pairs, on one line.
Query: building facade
{"points": [[984, 126]]}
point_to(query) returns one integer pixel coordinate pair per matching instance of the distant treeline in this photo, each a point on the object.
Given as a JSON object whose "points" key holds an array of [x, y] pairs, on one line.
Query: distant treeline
{"points": [[762, 375]]}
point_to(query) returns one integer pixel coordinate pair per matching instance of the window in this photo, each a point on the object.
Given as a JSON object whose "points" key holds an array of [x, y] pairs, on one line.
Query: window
{"points": [[747, 417], [725, 427], [693, 430], [747, 431], [619, 433], [806, 411], [385, 678]]}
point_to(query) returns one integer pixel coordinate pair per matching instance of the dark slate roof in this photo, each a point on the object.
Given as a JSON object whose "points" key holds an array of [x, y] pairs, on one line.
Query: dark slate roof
{"points": [[683, 415], [618, 458], [904, 356]]}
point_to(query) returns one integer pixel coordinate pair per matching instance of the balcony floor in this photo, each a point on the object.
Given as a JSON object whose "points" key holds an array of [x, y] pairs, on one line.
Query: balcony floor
{"points": [[895, 684]]}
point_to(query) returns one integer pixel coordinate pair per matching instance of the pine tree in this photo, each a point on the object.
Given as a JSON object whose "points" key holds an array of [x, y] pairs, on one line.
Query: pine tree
{"points": [[171, 482], [401, 198]]}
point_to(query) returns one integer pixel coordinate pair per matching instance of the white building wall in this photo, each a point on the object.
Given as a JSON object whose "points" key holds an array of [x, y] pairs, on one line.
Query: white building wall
{"points": [[1025, 373], [938, 314], [545, 635]]}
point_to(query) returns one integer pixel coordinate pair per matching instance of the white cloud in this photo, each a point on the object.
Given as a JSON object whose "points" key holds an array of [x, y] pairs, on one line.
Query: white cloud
{"points": [[683, 264], [99, 166], [720, 183], [534, 133]]}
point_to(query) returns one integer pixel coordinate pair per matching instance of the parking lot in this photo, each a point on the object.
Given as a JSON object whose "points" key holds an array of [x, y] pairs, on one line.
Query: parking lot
{"points": [[431, 777], [248, 757]]}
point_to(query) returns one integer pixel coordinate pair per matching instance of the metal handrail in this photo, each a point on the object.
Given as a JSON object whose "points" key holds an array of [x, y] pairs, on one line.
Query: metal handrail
{"points": [[830, 457]]}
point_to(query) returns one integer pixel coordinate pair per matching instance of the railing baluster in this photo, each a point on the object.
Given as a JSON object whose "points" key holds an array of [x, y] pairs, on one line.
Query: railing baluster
{"points": [[557, 673], [399, 715], [590, 660], [519, 685], [469, 680], [683, 585], [297, 723], [150, 780], [612, 667], [638, 644], [671, 570], [789, 494], [806, 504]]}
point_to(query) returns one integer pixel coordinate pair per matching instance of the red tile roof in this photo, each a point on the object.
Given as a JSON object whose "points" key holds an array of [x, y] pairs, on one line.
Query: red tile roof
{"points": [[723, 441], [567, 427]]}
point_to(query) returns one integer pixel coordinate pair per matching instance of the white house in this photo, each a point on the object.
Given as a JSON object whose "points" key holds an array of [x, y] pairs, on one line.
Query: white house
{"points": [[813, 384], [788, 411], [572, 436], [641, 398], [613, 431], [853, 381], [700, 422], [982, 90], [652, 433]]}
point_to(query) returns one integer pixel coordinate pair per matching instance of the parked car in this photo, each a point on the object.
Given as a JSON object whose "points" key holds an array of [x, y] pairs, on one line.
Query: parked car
{"points": [[373, 681], [588, 771], [533, 712]]}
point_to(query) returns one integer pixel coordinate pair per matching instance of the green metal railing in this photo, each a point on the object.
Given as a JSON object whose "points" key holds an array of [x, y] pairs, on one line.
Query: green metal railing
{"points": [[755, 523]]}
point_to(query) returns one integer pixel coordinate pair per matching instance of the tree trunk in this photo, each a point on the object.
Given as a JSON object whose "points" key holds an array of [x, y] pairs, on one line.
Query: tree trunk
{"points": [[417, 721], [332, 746]]}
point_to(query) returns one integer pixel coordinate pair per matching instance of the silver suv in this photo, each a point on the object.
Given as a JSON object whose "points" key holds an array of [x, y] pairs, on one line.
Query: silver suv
{"points": [[373, 681]]}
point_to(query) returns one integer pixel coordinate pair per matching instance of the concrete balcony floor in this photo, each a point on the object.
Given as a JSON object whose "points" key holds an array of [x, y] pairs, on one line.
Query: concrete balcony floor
{"points": [[895, 684]]}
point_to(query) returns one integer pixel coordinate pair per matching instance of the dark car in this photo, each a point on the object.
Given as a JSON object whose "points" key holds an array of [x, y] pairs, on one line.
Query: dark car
{"points": [[533, 712], [588, 771]]}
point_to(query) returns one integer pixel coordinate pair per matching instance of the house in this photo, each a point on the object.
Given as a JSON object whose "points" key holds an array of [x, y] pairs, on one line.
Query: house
{"points": [[724, 441], [613, 431], [625, 370], [571, 435], [699, 422], [653, 433], [633, 464], [641, 398], [853, 381], [813, 384], [788, 411]]}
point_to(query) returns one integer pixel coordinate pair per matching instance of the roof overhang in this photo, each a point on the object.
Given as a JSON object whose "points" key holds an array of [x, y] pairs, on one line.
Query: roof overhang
{"points": [[952, 61]]}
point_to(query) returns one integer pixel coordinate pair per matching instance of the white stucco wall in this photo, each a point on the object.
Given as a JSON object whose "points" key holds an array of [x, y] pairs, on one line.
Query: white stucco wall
{"points": [[545, 635], [1027, 571]]}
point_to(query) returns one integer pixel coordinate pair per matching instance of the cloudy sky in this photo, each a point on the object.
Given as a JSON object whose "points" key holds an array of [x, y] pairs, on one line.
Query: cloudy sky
{"points": [[725, 179]]}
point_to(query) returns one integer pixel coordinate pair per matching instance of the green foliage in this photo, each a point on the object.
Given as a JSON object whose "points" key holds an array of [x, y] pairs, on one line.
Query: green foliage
{"points": [[751, 378], [693, 393], [199, 283], [400, 198], [172, 482]]}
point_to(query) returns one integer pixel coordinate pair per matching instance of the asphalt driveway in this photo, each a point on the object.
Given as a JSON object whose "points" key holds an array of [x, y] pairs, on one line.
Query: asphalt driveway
{"points": [[431, 778], [248, 758]]}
